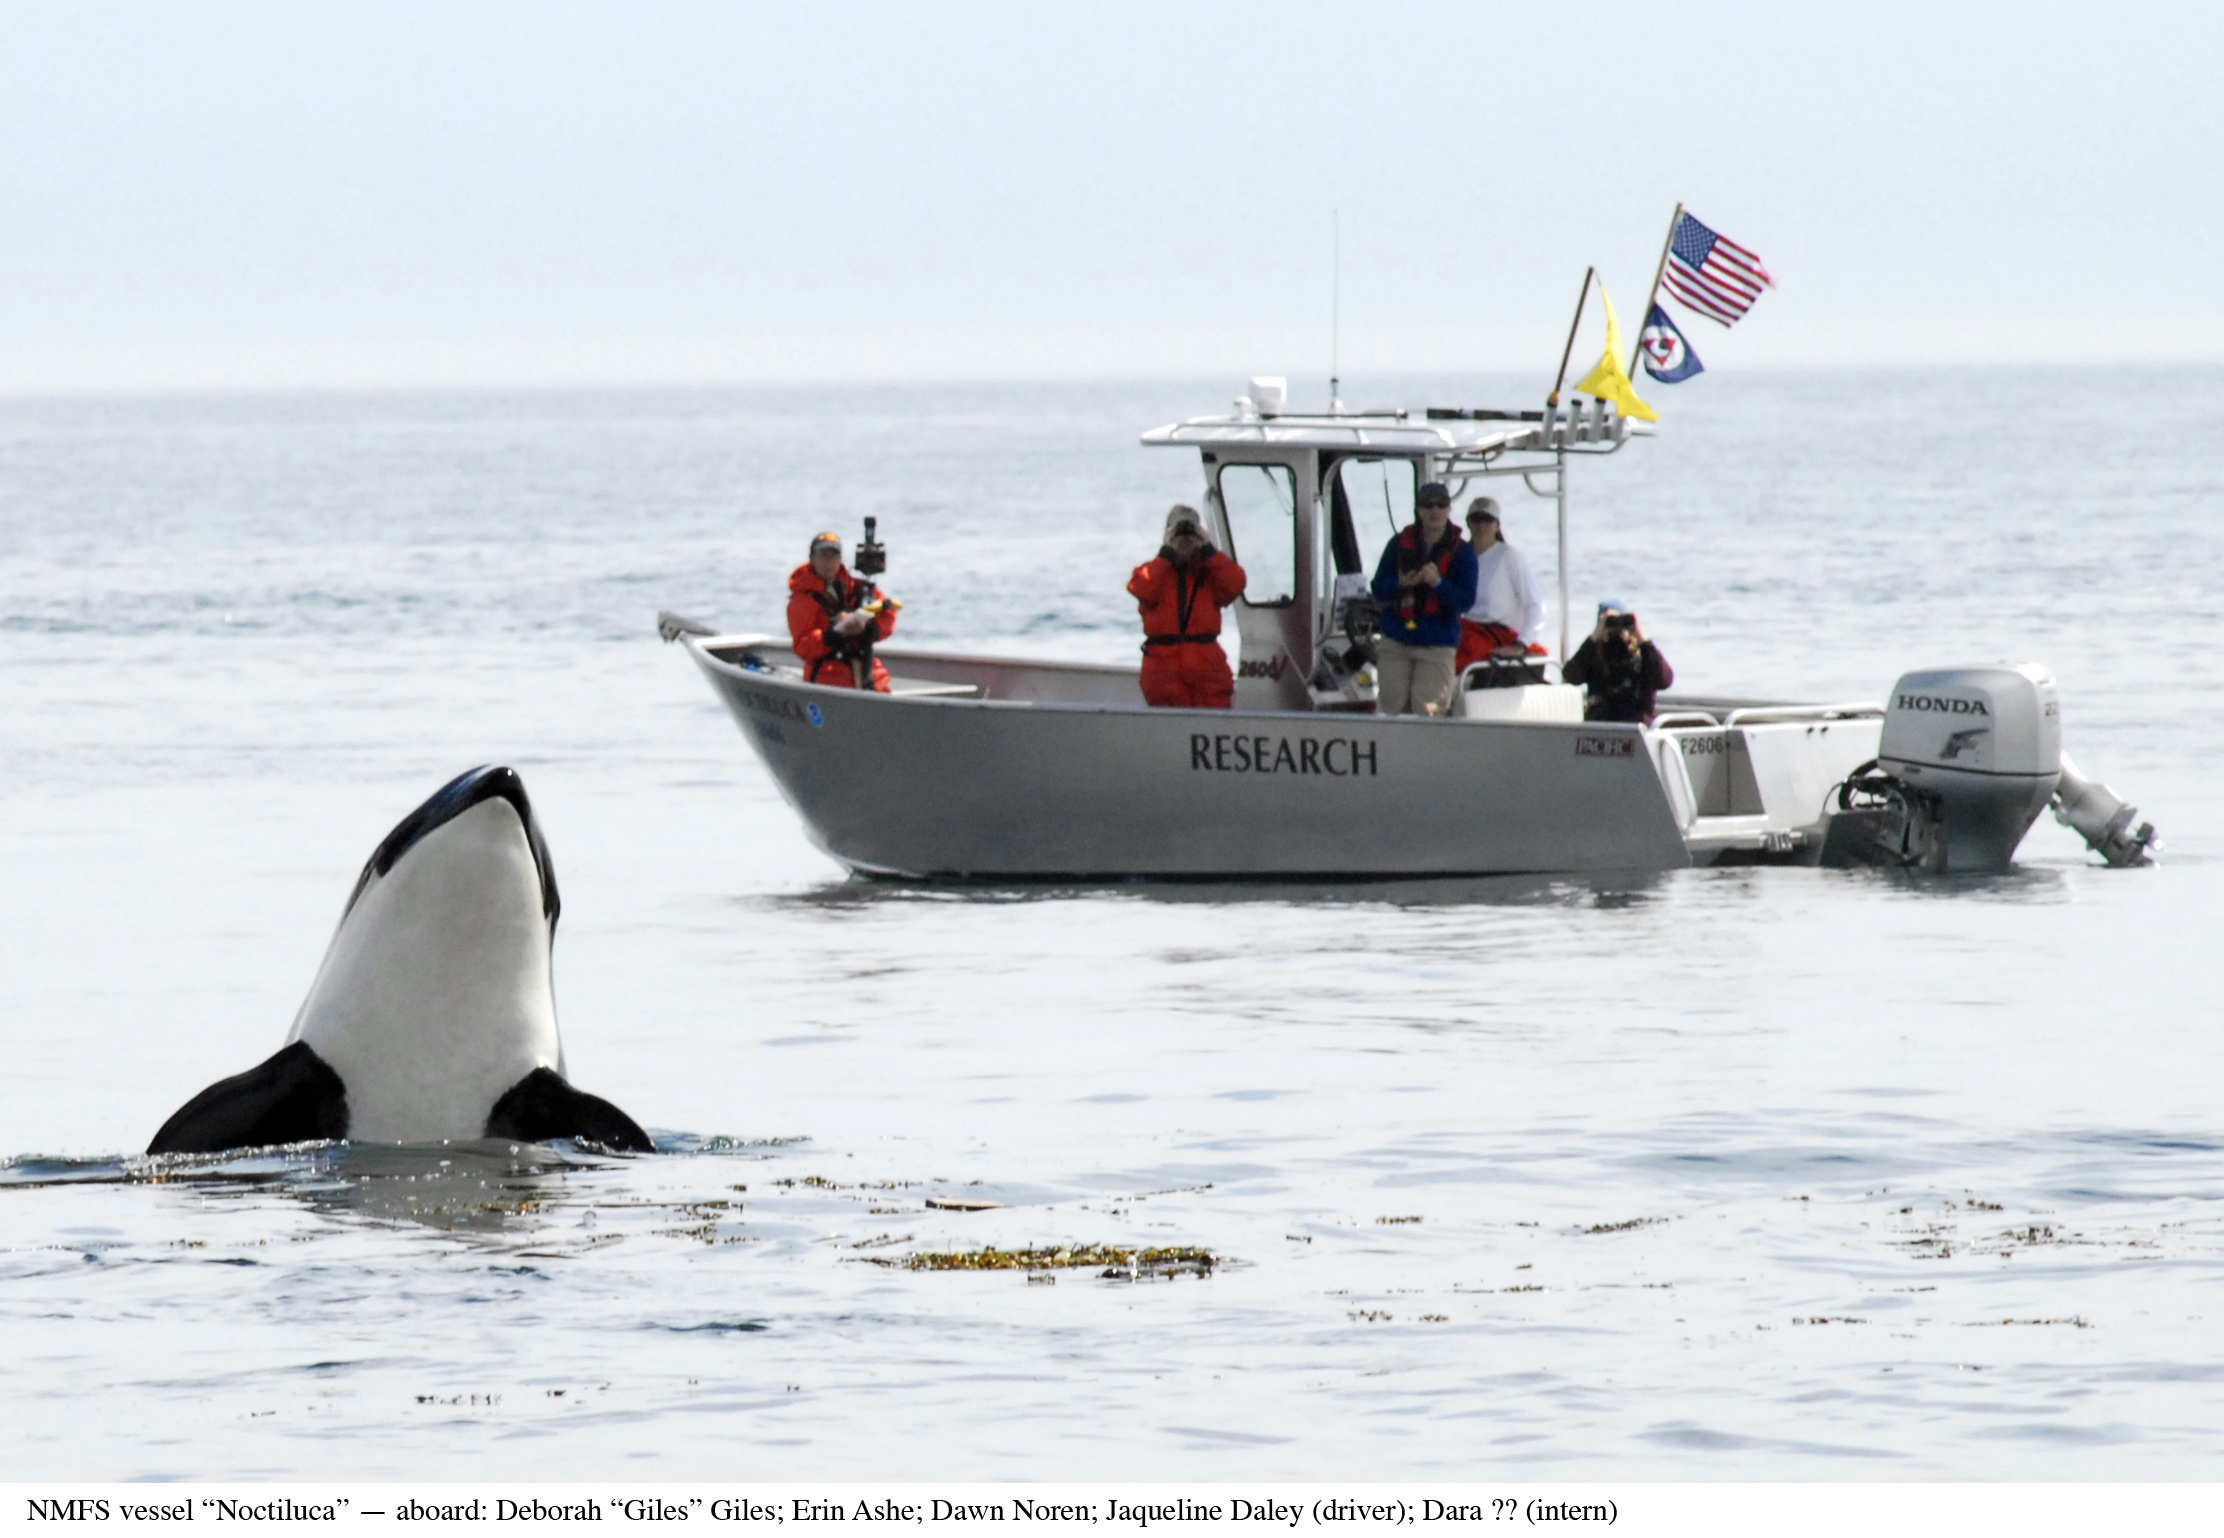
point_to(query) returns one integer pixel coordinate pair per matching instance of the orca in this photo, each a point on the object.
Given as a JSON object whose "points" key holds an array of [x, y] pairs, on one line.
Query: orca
{"points": [[433, 1016]]}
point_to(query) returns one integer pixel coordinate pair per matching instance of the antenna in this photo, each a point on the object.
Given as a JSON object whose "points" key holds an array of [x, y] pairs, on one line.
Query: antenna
{"points": [[1335, 310]]}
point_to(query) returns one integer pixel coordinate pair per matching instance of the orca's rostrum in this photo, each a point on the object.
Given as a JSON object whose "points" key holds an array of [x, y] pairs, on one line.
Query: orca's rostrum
{"points": [[433, 1016]]}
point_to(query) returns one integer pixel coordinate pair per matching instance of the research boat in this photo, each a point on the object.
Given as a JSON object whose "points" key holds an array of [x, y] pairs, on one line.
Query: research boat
{"points": [[988, 768]]}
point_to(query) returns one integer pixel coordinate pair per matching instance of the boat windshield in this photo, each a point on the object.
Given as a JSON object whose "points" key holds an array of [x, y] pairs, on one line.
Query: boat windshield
{"points": [[1379, 493], [1261, 504]]}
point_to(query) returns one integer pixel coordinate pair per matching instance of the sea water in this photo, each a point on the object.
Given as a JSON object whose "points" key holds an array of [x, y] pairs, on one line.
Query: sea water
{"points": [[1737, 1173]]}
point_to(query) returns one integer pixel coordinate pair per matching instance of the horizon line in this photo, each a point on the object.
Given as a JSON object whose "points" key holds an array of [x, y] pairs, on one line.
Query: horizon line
{"points": [[1214, 378]]}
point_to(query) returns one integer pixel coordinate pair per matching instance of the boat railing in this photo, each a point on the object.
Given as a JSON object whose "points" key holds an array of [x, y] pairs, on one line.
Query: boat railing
{"points": [[912, 689], [1766, 715], [1691, 719]]}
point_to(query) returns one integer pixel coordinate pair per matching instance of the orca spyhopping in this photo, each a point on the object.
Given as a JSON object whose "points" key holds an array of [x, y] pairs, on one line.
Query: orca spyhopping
{"points": [[433, 1017]]}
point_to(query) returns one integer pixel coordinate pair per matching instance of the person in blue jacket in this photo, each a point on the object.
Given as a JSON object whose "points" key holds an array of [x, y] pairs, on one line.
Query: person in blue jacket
{"points": [[1424, 582]]}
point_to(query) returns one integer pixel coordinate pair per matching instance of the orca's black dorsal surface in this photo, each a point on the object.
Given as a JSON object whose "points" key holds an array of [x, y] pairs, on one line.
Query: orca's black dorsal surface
{"points": [[292, 1096]]}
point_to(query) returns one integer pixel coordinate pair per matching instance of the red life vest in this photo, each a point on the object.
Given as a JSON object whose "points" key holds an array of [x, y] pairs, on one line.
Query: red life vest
{"points": [[1419, 602]]}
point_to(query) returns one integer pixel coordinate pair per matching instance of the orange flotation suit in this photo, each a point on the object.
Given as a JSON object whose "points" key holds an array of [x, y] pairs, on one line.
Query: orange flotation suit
{"points": [[813, 607], [1182, 660]]}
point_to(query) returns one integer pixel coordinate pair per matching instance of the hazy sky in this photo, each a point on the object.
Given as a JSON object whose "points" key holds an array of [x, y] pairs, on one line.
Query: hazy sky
{"points": [[270, 194]]}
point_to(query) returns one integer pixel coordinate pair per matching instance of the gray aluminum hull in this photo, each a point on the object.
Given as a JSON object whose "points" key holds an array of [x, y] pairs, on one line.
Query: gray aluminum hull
{"points": [[983, 789]]}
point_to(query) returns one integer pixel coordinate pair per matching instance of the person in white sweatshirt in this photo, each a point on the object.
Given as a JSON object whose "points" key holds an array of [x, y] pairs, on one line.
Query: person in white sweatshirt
{"points": [[1508, 610]]}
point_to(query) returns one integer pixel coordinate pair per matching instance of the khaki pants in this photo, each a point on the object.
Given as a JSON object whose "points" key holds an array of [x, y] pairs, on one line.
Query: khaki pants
{"points": [[1410, 679]]}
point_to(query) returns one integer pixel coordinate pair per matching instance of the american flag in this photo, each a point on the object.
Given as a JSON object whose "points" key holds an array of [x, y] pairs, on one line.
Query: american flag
{"points": [[1717, 277]]}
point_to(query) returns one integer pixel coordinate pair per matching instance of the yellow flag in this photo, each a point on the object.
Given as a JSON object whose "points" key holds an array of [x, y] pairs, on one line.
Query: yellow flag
{"points": [[1610, 380]]}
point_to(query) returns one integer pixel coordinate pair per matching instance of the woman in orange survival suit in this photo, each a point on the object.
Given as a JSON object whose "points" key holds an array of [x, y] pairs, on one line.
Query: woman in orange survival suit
{"points": [[1180, 591]]}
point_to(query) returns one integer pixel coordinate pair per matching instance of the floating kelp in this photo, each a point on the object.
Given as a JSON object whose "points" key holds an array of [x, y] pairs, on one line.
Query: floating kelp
{"points": [[1130, 1264]]}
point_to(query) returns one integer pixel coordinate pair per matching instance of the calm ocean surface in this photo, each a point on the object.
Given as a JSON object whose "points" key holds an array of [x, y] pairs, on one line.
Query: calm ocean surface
{"points": [[1733, 1174]]}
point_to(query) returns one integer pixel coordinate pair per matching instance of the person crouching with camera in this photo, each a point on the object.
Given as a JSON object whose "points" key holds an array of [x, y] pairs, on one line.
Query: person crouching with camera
{"points": [[1621, 672], [834, 619], [1180, 591]]}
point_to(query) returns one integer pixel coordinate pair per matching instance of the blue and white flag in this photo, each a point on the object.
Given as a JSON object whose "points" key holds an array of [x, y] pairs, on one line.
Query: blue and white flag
{"points": [[1668, 357]]}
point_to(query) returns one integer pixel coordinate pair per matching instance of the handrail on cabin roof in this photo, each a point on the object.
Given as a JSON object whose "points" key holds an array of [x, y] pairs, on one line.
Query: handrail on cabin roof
{"points": [[1339, 430], [1521, 432]]}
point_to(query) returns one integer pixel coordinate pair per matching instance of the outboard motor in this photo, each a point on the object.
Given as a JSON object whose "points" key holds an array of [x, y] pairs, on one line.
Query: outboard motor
{"points": [[1968, 759]]}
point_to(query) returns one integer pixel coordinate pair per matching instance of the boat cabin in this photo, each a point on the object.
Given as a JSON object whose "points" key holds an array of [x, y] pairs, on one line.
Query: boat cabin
{"points": [[1305, 502]]}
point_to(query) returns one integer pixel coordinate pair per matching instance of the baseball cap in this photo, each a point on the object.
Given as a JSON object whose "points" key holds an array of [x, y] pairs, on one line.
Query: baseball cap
{"points": [[828, 540], [1434, 491]]}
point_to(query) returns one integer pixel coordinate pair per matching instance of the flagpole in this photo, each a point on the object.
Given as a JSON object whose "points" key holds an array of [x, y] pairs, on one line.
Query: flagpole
{"points": [[1653, 297], [1560, 494], [1580, 300]]}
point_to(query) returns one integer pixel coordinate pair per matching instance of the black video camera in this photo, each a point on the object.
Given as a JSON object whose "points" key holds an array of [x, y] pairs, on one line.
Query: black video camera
{"points": [[872, 555], [1362, 617]]}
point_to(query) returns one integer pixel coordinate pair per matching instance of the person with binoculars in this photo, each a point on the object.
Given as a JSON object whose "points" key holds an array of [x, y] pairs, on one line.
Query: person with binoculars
{"points": [[1621, 672], [1180, 592], [834, 618]]}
